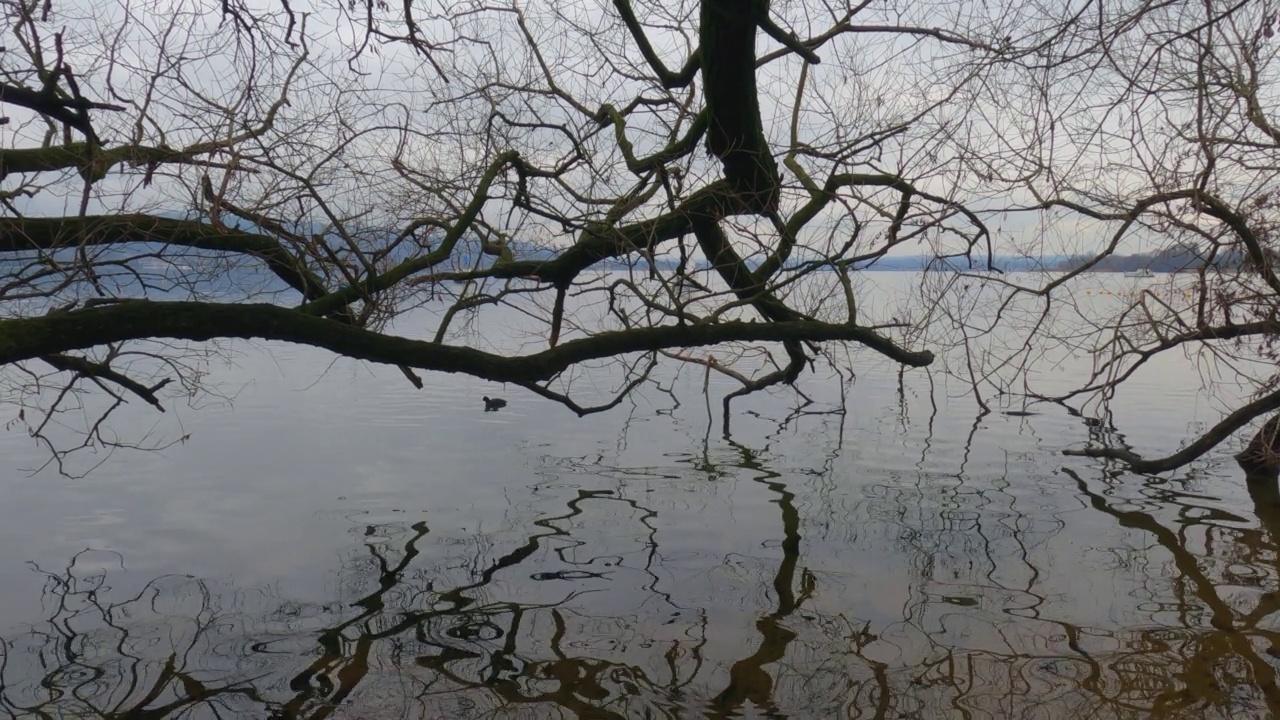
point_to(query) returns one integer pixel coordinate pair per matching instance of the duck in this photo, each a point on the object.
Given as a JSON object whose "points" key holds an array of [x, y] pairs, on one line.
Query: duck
{"points": [[493, 404]]}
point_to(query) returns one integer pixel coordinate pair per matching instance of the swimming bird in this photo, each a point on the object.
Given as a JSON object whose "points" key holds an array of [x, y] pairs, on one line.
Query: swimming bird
{"points": [[493, 404]]}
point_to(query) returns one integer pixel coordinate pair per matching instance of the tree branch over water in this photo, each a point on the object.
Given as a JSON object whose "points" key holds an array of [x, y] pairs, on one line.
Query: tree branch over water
{"points": [[134, 320], [350, 170], [494, 181]]}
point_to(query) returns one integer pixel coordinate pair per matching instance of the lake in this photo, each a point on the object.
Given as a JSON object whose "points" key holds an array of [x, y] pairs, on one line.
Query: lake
{"points": [[330, 542]]}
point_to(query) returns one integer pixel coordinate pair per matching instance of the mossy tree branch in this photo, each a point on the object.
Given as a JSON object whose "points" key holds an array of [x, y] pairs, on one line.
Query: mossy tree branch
{"points": [[28, 338], [47, 234]]}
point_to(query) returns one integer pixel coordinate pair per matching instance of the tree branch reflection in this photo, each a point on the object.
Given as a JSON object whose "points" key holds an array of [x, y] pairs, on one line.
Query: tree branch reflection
{"points": [[550, 620]]}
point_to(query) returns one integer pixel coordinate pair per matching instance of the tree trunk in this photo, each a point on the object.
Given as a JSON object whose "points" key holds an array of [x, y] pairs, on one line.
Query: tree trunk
{"points": [[1261, 458], [735, 133]]}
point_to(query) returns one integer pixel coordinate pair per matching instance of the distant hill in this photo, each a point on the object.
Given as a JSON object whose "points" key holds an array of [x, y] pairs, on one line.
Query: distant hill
{"points": [[1003, 263], [1180, 258]]}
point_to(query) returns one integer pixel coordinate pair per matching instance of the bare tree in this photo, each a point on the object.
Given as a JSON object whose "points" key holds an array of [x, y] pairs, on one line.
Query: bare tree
{"points": [[388, 183], [177, 177], [1142, 127]]}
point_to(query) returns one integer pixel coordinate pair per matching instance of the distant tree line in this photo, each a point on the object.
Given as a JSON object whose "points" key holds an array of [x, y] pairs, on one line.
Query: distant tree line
{"points": [[1180, 258]]}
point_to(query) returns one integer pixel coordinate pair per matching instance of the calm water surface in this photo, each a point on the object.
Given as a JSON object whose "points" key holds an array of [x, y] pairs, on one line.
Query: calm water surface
{"points": [[336, 544]]}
